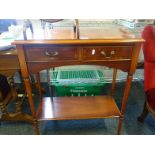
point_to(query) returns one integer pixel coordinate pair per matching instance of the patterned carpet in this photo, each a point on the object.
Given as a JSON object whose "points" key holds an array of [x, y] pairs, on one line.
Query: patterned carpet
{"points": [[95, 126]]}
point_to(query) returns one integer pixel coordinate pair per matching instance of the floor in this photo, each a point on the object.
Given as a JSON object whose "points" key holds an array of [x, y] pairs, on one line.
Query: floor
{"points": [[91, 127]]}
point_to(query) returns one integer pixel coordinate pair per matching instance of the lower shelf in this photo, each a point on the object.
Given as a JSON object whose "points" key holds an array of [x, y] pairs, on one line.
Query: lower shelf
{"points": [[70, 108]]}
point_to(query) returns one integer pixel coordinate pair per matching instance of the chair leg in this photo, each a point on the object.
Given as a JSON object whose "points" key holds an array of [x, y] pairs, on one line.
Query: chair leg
{"points": [[142, 117]]}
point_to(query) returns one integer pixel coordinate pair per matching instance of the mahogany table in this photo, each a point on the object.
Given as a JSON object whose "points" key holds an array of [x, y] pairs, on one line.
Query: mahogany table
{"points": [[114, 48]]}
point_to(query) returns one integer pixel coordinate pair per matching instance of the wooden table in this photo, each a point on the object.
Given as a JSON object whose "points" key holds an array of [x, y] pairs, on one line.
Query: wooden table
{"points": [[114, 48], [9, 65]]}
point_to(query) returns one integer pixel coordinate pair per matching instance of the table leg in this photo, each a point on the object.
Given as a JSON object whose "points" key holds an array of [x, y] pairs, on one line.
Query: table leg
{"points": [[31, 102], [36, 128], [39, 84], [124, 101], [114, 81], [121, 118]]}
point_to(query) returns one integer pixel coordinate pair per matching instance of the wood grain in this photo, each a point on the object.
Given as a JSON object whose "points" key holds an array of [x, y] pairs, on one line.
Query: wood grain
{"points": [[126, 46], [62, 108]]}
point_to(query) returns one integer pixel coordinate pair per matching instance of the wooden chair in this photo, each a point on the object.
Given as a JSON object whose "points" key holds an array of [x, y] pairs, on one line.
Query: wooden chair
{"points": [[149, 71]]}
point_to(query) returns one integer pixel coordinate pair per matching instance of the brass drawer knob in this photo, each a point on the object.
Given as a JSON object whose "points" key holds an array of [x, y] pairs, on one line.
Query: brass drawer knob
{"points": [[112, 52], [109, 56], [51, 54], [103, 53], [47, 53]]}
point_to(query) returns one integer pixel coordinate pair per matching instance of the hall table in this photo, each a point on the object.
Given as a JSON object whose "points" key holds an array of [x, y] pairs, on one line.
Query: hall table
{"points": [[44, 49]]}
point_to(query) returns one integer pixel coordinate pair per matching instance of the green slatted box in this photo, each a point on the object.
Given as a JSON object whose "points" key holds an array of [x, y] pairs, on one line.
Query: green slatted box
{"points": [[77, 83]]}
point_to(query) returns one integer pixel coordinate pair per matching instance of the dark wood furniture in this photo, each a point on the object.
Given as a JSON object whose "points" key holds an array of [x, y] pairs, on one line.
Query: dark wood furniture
{"points": [[146, 109], [114, 48], [4, 91], [9, 65]]}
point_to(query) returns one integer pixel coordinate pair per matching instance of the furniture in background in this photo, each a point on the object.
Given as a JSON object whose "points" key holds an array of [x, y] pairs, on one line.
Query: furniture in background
{"points": [[149, 71], [5, 93], [49, 21], [9, 65]]}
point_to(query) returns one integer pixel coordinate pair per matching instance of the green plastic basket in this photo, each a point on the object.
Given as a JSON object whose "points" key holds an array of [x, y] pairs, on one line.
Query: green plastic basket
{"points": [[77, 83]]}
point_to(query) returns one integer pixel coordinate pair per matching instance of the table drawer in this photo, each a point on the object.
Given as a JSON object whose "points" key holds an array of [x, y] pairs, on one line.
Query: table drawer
{"points": [[107, 52], [9, 61], [51, 53]]}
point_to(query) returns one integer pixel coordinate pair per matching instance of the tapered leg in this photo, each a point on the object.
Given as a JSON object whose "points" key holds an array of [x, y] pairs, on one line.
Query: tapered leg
{"points": [[120, 125], [124, 101], [39, 84], [142, 117], [48, 81], [114, 81], [36, 128], [31, 102]]}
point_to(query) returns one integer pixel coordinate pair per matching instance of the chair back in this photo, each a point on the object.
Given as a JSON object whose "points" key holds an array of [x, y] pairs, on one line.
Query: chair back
{"points": [[149, 45], [149, 57]]}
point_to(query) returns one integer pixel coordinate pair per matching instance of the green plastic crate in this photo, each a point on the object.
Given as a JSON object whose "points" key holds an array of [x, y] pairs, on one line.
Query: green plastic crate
{"points": [[77, 83]]}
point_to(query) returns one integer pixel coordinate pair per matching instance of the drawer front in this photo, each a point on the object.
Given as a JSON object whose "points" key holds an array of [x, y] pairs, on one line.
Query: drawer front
{"points": [[9, 62], [51, 53], [107, 52]]}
